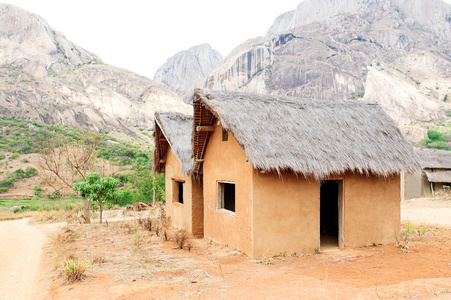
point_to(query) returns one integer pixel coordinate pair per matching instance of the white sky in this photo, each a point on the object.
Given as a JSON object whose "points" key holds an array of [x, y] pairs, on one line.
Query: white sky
{"points": [[140, 35]]}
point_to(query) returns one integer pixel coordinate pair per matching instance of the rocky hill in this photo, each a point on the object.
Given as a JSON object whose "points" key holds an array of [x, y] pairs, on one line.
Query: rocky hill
{"points": [[46, 78], [396, 52], [188, 67]]}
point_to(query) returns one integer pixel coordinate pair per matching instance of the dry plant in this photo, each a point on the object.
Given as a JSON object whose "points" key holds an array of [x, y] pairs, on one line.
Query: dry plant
{"points": [[146, 223], [74, 270], [137, 238], [180, 239], [158, 230], [403, 239], [97, 259], [71, 216], [61, 163]]}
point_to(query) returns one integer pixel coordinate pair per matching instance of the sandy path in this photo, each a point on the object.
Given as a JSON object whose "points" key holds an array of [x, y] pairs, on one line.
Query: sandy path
{"points": [[22, 274], [432, 211]]}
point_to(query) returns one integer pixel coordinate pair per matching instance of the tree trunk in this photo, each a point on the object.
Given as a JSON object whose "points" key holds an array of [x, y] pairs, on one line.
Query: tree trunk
{"points": [[101, 210], [87, 206]]}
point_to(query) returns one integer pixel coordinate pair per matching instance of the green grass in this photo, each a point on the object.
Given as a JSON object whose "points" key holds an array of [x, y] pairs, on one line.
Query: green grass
{"points": [[40, 204]]}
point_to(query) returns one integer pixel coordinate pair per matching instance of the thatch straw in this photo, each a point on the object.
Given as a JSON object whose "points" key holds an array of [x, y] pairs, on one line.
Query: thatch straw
{"points": [[434, 158], [438, 176], [315, 138], [174, 129]]}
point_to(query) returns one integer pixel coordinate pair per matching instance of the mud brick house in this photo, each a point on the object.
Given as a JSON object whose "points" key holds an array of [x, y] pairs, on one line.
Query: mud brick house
{"points": [[173, 156], [291, 175], [435, 173], [287, 175]]}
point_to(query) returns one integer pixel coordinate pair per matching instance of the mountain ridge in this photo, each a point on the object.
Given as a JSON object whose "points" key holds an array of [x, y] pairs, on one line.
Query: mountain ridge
{"points": [[350, 56], [48, 79]]}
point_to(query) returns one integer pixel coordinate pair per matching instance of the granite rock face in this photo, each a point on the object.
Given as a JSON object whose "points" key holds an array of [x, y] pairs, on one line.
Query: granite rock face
{"points": [[185, 68], [48, 79], [394, 52]]}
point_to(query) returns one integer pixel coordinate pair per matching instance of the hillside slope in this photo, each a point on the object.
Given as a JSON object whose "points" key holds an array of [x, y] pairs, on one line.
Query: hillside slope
{"points": [[46, 78]]}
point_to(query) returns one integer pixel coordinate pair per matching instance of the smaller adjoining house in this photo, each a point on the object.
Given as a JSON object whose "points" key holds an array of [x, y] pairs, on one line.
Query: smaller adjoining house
{"points": [[173, 156], [435, 173]]}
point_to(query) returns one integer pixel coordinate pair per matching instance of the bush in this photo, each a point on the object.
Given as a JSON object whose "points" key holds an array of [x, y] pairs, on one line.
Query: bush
{"points": [[31, 172], [125, 198], [55, 195], [37, 191], [7, 182], [3, 189], [74, 270], [2, 155], [435, 135], [15, 155]]}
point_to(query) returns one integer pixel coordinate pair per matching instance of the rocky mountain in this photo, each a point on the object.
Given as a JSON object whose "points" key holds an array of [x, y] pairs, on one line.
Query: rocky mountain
{"points": [[188, 67], [396, 52], [46, 78]]}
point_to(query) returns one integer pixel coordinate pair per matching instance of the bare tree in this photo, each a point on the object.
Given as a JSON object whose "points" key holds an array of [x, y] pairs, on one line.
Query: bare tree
{"points": [[61, 163]]}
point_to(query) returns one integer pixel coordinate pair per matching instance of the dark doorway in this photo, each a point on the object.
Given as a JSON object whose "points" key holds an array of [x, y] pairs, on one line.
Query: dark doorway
{"points": [[329, 213]]}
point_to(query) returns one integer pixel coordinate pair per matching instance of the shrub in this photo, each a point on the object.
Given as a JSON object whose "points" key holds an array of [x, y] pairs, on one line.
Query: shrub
{"points": [[55, 195], [3, 189], [15, 155], [2, 155], [145, 223], [37, 191], [7, 182], [435, 135], [74, 270], [180, 239], [125, 198], [30, 172]]}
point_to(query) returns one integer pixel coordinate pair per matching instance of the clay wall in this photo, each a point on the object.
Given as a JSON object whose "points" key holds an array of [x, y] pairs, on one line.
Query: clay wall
{"points": [[226, 161], [372, 210], [180, 214], [286, 214]]}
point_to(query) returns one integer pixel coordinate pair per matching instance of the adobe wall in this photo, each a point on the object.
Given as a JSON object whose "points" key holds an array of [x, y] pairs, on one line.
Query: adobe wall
{"points": [[413, 185], [226, 161], [286, 214], [180, 214], [372, 210], [197, 213]]}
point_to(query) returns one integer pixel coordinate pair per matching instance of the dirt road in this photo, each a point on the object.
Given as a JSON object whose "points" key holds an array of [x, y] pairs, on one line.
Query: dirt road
{"points": [[434, 211], [21, 259]]}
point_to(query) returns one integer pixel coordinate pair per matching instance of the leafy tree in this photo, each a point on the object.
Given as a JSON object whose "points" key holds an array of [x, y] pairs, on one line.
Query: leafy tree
{"points": [[99, 189]]}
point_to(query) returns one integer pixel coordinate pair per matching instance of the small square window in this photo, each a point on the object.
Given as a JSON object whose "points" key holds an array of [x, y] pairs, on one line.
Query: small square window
{"points": [[177, 191], [226, 196], [225, 135]]}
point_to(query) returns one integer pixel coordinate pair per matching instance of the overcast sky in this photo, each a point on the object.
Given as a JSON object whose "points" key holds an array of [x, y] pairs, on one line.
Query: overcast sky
{"points": [[140, 35]]}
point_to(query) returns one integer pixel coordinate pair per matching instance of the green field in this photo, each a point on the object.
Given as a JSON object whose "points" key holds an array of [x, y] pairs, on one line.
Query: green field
{"points": [[40, 204]]}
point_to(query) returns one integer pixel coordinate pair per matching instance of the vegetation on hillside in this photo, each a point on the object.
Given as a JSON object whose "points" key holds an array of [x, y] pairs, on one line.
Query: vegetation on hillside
{"points": [[136, 179], [439, 136]]}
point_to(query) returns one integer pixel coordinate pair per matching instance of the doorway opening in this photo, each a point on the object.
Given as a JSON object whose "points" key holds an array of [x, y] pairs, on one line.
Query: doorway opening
{"points": [[330, 208]]}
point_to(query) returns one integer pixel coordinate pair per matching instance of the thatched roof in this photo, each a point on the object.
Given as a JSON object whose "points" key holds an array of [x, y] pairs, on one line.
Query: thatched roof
{"points": [[315, 138], [174, 130], [434, 158], [438, 176]]}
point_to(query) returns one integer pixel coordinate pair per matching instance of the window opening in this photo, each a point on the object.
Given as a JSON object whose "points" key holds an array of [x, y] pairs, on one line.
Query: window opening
{"points": [[226, 196], [225, 135], [177, 191]]}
